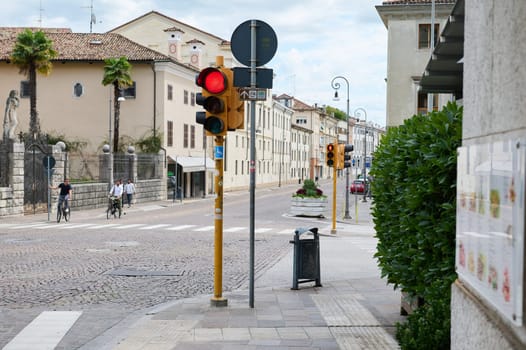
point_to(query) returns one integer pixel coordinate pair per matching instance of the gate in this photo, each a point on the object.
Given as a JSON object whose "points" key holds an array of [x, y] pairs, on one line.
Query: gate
{"points": [[35, 179]]}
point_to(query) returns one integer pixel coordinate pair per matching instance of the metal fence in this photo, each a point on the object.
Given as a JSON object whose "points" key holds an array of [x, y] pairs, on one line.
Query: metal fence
{"points": [[83, 167]]}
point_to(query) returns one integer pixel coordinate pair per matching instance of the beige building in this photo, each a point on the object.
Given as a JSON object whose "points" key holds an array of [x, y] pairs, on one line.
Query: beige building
{"points": [[166, 56], [408, 24]]}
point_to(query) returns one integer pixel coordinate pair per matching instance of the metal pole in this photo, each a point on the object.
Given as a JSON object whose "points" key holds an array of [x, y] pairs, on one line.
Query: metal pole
{"points": [[362, 110], [335, 85], [347, 170], [253, 26], [365, 161]]}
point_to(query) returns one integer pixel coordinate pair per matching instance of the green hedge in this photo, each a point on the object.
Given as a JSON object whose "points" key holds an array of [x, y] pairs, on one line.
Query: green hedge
{"points": [[414, 210]]}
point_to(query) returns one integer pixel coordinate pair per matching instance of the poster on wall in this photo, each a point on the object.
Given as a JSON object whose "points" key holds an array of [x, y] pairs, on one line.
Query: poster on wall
{"points": [[490, 223]]}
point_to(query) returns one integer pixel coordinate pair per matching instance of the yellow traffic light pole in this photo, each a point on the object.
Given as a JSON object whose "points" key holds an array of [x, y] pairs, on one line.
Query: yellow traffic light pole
{"points": [[218, 299], [333, 231]]}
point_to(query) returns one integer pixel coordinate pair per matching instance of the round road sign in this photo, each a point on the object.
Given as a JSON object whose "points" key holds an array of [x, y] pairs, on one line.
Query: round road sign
{"points": [[266, 43]]}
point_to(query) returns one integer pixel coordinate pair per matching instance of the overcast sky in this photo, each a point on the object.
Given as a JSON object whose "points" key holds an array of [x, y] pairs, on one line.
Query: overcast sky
{"points": [[317, 39]]}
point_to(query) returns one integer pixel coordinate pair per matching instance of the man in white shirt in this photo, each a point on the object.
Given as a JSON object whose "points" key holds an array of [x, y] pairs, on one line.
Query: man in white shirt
{"points": [[116, 191]]}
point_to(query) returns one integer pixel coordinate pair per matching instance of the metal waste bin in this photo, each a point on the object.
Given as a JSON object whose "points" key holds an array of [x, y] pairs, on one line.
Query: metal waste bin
{"points": [[306, 266]]}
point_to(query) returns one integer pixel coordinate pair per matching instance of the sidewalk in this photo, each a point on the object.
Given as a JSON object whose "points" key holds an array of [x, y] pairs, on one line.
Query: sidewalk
{"points": [[354, 309]]}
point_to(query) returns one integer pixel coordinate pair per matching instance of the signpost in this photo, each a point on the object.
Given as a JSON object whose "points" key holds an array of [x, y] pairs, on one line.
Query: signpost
{"points": [[253, 44]]}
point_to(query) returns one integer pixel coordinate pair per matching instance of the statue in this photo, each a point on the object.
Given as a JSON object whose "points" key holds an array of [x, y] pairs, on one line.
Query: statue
{"points": [[10, 119]]}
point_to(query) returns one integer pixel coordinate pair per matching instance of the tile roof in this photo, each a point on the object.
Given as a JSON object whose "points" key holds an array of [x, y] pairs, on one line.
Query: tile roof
{"points": [[416, 2], [84, 46]]}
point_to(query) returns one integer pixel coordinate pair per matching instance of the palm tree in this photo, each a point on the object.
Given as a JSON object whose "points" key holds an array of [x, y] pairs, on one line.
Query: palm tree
{"points": [[33, 53], [117, 72]]}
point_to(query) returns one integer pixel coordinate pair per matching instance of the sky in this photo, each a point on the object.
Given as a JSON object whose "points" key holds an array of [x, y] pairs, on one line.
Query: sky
{"points": [[318, 40]]}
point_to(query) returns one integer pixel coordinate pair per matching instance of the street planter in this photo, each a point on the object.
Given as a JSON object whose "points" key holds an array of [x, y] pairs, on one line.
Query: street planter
{"points": [[306, 206]]}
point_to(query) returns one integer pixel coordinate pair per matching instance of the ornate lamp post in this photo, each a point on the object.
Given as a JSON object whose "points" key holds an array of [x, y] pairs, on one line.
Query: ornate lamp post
{"points": [[336, 86], [359, 111]]}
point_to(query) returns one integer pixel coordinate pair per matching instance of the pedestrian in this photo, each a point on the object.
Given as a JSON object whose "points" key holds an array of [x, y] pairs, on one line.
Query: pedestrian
{"points": [[116, 191], [66, 192], [129, 189]]}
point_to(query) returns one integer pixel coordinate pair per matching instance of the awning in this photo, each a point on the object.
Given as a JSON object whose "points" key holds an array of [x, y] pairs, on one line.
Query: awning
{"points": [[192, 164], [444, 71]]}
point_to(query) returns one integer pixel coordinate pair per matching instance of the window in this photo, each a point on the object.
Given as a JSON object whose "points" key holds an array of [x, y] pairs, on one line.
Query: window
{"points": [[170, 90], [170, 131], [422, 103], [78, 90], [24, 88], [129, 92], [424, 35], [301, 121], [185, 136], [192, 136], [192, 99], [185, 98]]}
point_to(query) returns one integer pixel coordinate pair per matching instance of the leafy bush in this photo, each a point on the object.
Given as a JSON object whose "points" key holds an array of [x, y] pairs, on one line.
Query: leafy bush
{"points": [[414, 216]]}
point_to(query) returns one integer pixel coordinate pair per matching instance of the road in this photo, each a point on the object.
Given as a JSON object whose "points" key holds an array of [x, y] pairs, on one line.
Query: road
{"points": [[156, 253]]}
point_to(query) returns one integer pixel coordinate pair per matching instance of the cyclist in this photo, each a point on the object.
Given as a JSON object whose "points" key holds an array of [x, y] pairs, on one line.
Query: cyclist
{"points": [[116, 191], [66, 192]]}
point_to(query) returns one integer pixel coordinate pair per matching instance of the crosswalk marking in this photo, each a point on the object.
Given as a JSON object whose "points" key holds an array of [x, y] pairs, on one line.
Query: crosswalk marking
{"points": [[101, 226], [71, 226], [122, 227], [235, 229], [180, 227], [262, 230], [205, 228], [143, 227], [45, 331], [153, 227]]}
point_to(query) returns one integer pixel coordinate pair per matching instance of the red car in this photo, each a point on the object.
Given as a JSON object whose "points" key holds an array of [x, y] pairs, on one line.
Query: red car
{"points": [[358, 186]]}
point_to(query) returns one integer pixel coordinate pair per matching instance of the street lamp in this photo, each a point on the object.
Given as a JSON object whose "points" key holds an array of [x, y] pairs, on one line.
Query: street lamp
{"points": [[359, 111], [336, 86]]}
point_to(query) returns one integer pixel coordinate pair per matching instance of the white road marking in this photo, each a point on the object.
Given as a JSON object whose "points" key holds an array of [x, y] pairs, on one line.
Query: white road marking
{"points": [[180, 227], [122, 227], [262, 230], [45, 331], [205, 228], [153, 227], [235, 229]]}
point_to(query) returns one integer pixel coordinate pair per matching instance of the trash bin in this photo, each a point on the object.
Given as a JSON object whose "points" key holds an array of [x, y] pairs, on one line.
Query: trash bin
{"points": [[306, 266]]}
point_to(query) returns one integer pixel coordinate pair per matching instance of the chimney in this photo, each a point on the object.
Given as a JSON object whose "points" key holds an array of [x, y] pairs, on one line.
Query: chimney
{"points": [[175, 36], [196, 52]]}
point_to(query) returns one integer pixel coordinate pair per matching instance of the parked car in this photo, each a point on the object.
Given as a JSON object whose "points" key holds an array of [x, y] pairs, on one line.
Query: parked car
{"points": [[358, 186]]}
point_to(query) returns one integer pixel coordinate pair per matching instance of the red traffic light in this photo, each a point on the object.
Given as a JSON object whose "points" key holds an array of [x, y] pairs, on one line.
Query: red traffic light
{"points": [[212, 80]]}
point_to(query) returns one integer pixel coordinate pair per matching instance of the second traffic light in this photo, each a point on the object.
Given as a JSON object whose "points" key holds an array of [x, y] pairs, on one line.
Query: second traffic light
{"points": [[214, 98], [344, 159], [331, 155]]}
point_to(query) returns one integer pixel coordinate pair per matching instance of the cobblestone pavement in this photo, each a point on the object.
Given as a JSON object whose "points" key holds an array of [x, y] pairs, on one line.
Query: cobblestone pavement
{"points": [[110, 274]]}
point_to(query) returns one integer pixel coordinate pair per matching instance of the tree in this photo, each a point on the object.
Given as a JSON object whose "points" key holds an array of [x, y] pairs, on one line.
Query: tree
{"points": [[117, 72], [33, 53]]}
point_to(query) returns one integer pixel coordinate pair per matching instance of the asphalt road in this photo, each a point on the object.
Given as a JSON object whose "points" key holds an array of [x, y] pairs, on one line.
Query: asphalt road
{"points": [[156, 253]]}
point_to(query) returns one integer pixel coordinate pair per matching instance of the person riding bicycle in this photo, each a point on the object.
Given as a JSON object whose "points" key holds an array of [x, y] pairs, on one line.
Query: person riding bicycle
{"points": [[66, 192], [116, 191]]}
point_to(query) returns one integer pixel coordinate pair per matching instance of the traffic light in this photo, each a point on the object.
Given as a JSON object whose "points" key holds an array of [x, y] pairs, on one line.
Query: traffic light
{"points": [[343, 157], [331, 155], [236, 107], [214, 98]]}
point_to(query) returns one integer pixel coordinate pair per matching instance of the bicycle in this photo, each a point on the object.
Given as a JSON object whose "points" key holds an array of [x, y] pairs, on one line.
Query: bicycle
{"points": [[113, 207], [63, 210]]}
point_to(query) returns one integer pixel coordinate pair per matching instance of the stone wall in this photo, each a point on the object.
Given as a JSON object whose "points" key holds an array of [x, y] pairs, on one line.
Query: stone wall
{"points": [[12, 197]]}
